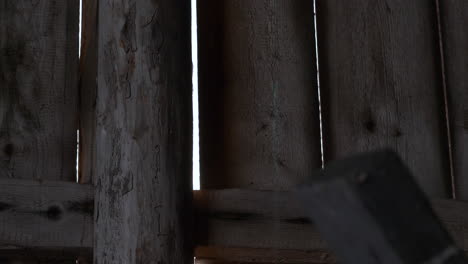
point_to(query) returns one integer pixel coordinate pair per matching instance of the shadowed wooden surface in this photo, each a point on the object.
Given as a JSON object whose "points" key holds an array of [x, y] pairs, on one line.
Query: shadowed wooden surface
{"points": [[38, 89], [454, 22], [88, 91], [259, 121], [45, 215], [240, 225], [144, 133], [381, 85]]}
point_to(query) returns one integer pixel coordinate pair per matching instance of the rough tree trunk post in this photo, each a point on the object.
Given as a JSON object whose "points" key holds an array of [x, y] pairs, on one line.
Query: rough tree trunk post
{"points": [[144, 133], [259, 121]]}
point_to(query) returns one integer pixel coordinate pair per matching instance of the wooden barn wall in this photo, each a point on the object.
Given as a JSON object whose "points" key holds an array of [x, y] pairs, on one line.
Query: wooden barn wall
{"points": [[454, 22], [38, 89], [143, 133], [259, 121], [381, 84], [88, 91], [38, 124]]}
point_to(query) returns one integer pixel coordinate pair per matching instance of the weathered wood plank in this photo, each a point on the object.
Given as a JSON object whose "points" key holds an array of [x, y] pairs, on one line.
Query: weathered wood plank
{"points": [[144, 133], [454, 22], [259, 121], [381, 85], [264, 219], [260, 255], [45, 215], [48, 256], [38, 89], [238, 224], [88, 86], [253, 221]]}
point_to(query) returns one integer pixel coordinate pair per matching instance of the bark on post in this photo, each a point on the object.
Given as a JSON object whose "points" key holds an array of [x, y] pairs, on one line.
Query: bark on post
{"points": [[259, 121], [143, 188]]}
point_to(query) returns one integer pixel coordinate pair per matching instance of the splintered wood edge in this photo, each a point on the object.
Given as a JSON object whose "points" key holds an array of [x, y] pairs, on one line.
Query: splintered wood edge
{"points": [[232, 224]]}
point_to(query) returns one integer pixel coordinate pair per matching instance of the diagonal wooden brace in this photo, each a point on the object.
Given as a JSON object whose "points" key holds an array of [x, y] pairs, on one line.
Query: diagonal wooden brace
{"points": [[370, 210]]}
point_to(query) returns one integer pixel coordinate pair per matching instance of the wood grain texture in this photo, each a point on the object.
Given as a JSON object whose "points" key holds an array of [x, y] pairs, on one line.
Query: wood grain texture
{"points": [[144, 133], [454, 22], [45, 215], [38, 89], [88, 90], [258, 255], [259, 121], [381, 85], [232, 225], [259, 220]]}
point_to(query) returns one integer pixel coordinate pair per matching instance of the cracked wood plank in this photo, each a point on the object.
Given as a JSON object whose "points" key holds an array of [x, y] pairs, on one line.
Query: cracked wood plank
{"points": [[143, 133], [454, 22]]}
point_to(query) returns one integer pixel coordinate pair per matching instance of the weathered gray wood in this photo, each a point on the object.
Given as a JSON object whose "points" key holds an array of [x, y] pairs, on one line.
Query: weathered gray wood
{"points": [[352, 205], [144, 133], [88, 86], [381, 85], [239, 224], [454, 22], [259, 121], [40, 215], [252, 220], [38, 89]]}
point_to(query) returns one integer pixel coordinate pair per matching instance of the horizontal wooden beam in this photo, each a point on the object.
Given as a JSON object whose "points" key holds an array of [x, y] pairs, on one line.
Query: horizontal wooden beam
{"points": [[46, 215], [231, 224], [229, 220]]}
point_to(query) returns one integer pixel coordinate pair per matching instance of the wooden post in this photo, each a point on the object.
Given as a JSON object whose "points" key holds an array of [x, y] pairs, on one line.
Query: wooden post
{"points": [[259, 120], [381, 85], [144, 133], [454, 21]]}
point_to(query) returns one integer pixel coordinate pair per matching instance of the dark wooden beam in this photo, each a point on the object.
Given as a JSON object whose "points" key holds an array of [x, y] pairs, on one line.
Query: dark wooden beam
{"points": [[354, 206], [239, 224], [45, 215]]}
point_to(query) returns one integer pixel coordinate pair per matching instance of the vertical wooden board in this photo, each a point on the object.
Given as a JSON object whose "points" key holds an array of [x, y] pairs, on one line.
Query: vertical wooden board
{"points": [[381, 85], [454, 22], [144, 133], [259, 121], [38, 89], [88, 90]]}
